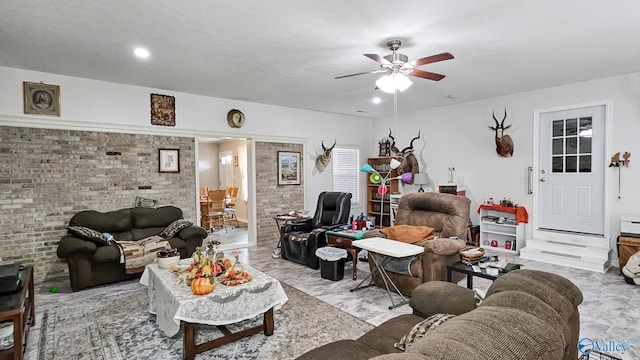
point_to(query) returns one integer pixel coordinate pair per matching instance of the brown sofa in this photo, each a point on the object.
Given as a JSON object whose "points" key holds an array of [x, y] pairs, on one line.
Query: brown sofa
{"points": [[526, 314], [449, 215], [91, 263]]}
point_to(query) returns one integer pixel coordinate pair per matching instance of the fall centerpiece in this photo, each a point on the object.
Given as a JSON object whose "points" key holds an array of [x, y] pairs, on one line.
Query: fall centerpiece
{"points": [[207, 264], [235, 275]]}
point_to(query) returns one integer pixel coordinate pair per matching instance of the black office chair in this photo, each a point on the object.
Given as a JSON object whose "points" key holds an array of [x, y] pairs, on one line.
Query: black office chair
{"points": [[300, 240]]}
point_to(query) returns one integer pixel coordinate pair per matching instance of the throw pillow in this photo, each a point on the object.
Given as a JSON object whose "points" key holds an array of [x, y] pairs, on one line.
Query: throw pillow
{"points": [[174, 228], [408, 233], [421, 329], [88, 234]]}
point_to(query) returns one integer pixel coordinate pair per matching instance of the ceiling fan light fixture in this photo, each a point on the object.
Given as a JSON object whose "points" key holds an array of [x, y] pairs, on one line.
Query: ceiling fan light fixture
{"points": [[391, 82]]}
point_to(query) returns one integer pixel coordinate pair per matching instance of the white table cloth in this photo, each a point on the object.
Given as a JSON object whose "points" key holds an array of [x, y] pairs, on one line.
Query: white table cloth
{"points": [[225, 305]]}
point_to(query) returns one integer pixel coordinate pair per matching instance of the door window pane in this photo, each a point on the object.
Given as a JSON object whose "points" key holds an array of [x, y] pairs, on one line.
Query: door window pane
{"points": [[558, 128], [558, 148], [557, 166], [571, 164], [586, 127], [585, 163], [585, 145], [572, 145], [572, 127]]}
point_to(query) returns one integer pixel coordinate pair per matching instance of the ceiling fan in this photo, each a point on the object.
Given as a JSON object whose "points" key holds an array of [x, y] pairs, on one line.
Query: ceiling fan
{"points": [[396, 63]]}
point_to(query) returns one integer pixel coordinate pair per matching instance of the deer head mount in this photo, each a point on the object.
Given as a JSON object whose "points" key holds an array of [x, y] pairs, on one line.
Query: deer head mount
{"points": [[409, 163], [504, 144], [323, 159]]}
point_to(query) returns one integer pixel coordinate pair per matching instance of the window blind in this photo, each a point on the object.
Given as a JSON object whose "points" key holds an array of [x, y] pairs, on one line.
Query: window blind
{"points": [[346, 169]]}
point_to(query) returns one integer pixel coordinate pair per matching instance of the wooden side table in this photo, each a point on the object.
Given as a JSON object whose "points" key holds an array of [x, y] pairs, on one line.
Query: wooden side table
{"points": [[19, 308], [345, 240]]}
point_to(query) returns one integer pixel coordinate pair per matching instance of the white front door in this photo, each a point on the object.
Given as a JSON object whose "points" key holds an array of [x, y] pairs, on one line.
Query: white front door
{"points": [[571, 170], [225, 170]]}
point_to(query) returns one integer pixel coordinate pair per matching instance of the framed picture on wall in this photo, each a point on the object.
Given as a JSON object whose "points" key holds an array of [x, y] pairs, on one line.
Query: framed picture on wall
{"points": [[144, 202], [288, 168], [41, 99], [163, 110], [169, 160]]}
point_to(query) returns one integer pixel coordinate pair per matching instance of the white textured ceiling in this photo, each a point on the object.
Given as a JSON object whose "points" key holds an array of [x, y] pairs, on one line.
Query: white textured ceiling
{"points": [[288, 52]]}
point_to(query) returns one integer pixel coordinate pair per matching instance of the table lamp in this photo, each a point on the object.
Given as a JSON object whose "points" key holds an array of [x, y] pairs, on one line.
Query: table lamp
{"points": [[420, 179]]}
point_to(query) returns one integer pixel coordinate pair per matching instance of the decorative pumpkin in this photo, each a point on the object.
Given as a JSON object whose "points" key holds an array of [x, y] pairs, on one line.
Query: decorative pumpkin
{"points": [[202, 285]]}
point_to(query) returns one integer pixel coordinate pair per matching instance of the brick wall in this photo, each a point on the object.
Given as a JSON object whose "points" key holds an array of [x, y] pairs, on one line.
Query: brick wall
{"points": [[48, 175], [272, 199]]}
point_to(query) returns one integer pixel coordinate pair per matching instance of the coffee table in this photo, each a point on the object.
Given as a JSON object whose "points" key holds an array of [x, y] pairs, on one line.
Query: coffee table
{"points": [[468, 270], [377, 247], [345, 239], [175, 304]]}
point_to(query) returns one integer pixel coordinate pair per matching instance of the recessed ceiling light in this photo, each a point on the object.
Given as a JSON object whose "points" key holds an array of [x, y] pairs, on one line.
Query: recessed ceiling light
{"points": [[376, 100], [451, 96], [142, 53]]}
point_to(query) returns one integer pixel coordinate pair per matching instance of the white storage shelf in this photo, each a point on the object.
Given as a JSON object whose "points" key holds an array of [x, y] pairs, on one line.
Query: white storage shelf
{"points": [[493, 231]]}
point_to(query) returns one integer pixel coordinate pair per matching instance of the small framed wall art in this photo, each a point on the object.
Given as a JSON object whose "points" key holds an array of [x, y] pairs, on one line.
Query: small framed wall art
{"points": [[288, 168], [144, 202], [169, 160], [163, 110], [41, 99]]}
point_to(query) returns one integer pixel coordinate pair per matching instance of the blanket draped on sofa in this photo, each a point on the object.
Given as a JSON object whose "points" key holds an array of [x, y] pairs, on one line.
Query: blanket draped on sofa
{"points": [[137, 254]]}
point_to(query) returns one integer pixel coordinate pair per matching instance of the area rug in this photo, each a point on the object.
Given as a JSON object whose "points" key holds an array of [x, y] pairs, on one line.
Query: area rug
{"points": [[118, 326]]}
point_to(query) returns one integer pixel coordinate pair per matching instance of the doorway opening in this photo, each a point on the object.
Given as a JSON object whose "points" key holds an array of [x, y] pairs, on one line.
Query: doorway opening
{"points": [[225, 164]]}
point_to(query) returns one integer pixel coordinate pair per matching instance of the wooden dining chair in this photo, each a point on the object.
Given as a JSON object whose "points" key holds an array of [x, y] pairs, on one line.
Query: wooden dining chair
{"points": [[216, 209], [230, 206]]}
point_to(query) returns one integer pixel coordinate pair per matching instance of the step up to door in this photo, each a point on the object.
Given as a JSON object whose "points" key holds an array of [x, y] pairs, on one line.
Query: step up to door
{"points": [[565, 259], [596, 241], [571, 248]]}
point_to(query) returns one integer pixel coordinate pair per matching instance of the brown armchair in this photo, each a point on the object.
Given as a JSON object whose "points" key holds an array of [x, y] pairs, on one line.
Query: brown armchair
{"points": [[449, 216]]}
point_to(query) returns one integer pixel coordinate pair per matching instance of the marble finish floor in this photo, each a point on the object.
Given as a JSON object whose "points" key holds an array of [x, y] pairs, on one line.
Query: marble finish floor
{"points": [[609, 311], [232, 237]]}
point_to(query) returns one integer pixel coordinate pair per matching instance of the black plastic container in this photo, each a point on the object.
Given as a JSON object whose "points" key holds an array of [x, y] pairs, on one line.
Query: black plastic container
{"points": [[332, 270]]}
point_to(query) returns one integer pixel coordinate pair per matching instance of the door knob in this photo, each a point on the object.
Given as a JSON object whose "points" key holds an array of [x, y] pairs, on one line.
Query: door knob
{"points": [[542, 180], [542, 171]]}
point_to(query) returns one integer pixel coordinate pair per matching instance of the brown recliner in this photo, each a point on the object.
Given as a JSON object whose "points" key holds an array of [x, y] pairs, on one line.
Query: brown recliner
{"points": [[449, 215]]}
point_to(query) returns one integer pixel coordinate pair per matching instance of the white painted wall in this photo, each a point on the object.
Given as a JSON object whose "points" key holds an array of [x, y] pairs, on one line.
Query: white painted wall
{"points": [[208, 165], [104, 106], [458, 135], [237, 147], [452, 135]]}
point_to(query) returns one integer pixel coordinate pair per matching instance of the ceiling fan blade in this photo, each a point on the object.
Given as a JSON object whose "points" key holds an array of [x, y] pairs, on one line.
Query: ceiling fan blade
{"points": [[362, 73], [432, 59], [377, 58], [427, 75]]}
